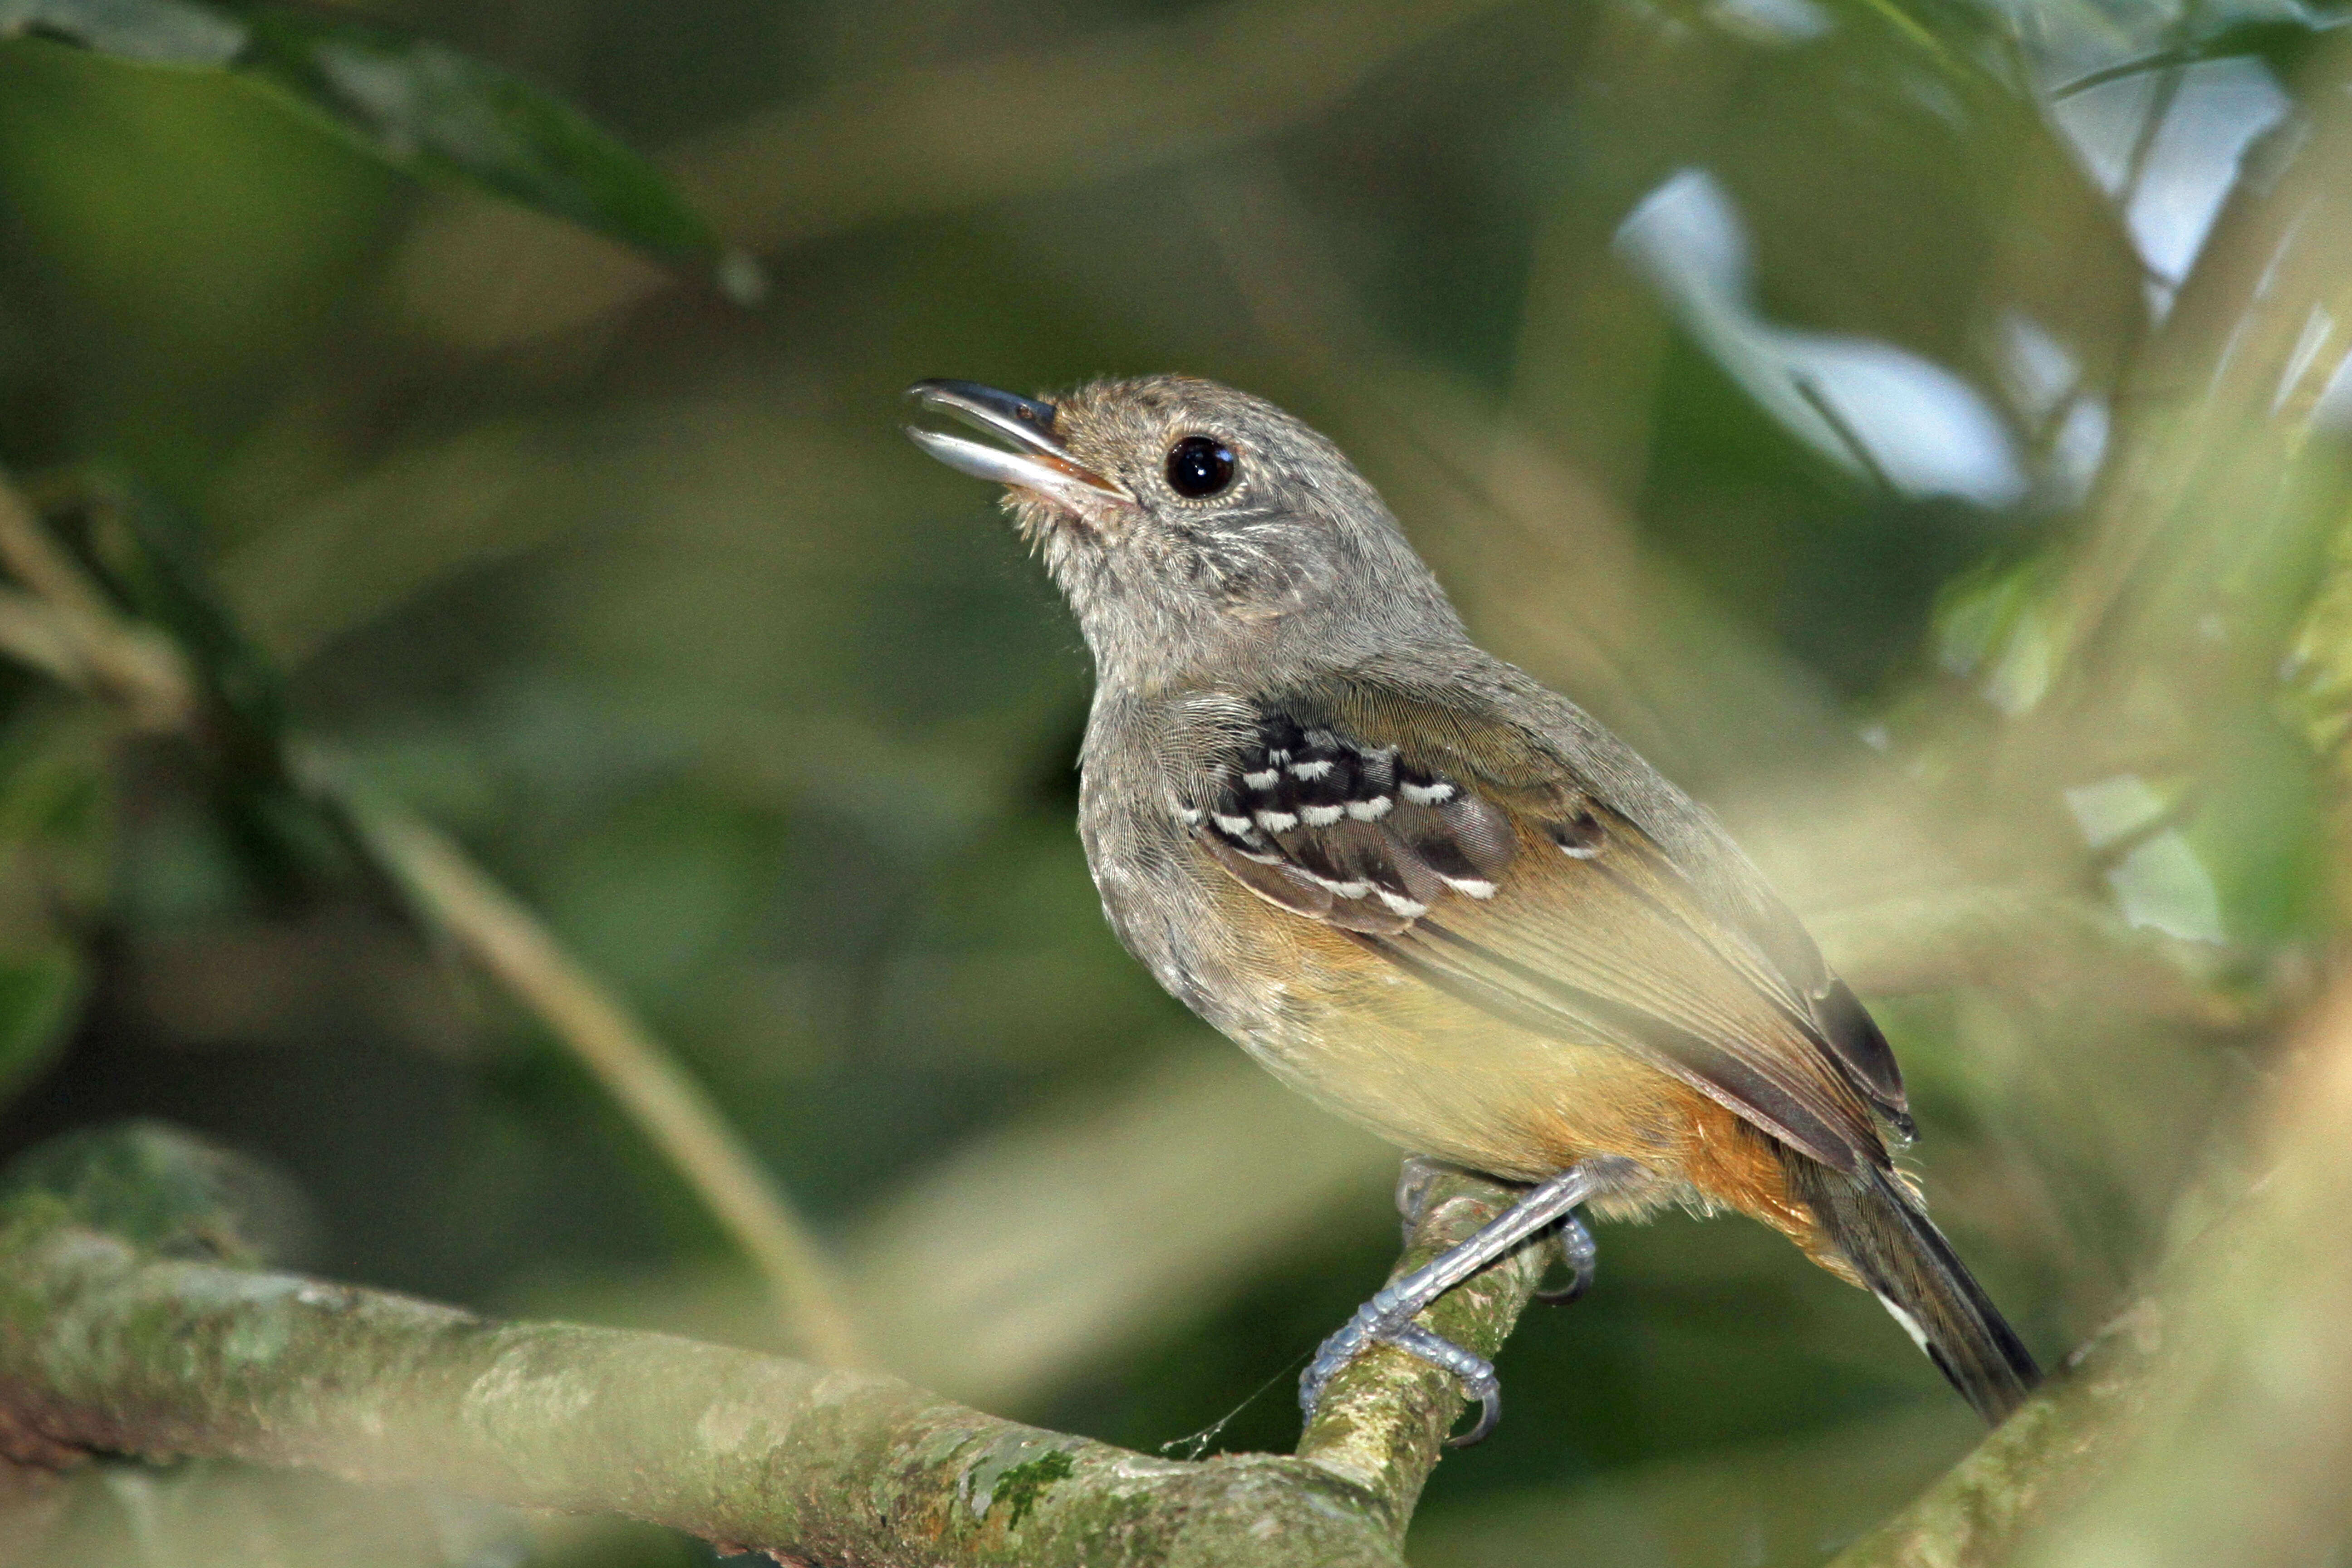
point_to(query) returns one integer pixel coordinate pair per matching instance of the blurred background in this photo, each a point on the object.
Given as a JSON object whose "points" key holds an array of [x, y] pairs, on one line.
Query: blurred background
{"points": [[1917, 425]]}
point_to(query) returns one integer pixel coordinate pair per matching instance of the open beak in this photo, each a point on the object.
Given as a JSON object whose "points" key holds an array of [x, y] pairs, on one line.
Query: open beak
{"points": [[1031, 458]]}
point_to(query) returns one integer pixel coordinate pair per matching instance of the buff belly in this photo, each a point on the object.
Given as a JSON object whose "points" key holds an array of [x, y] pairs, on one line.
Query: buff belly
{"points": [[1437, 1075], [1421, 1067]]}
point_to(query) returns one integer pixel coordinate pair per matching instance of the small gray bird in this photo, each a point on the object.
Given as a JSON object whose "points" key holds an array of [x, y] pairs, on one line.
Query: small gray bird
{"points": [[1429, 893]]}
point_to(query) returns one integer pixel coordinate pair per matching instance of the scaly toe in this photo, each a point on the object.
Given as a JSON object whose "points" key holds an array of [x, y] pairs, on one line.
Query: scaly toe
{"points": [[1414, 1178], [1475, 1372], [1370, 1326], [1576, 1250], [1337, 1352]]}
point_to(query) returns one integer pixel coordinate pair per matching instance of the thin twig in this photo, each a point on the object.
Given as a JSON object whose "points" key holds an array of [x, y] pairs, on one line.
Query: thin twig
{"points": [[30, 633], [37, 560], [644, 1078], [65, 626]]}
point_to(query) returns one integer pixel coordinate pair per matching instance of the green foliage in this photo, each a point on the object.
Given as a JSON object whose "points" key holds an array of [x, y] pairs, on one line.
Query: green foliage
{"points": [[650, 607], [40, 994], [2229, 32], [54, 832], [165, 1190], [2317, 696], [414, 103]]}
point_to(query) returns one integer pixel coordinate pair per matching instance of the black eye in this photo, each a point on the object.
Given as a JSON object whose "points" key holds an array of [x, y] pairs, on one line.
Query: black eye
{"points": [[1199, 466]]}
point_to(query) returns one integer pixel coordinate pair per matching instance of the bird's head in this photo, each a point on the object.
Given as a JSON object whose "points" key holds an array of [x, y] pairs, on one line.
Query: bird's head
{"points": [[1192, 527]]}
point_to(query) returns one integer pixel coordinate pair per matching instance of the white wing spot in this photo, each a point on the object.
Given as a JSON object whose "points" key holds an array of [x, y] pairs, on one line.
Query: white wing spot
{"points": [[1370, 810], [1266, 780], [1314, 769], [1410, 909], [1321, 815], [1277, 821], [1474, 886], [1428, 794]]}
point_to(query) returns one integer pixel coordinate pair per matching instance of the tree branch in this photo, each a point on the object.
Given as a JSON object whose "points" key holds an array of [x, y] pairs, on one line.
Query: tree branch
{"points": [[2209, 1422], [106, 1346], [2039, 1461]]}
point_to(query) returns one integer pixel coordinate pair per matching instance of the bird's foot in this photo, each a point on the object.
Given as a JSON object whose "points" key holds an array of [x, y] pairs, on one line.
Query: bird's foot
{"points": [[1576, 1250], [1415, 1178], [1387, 1318]]}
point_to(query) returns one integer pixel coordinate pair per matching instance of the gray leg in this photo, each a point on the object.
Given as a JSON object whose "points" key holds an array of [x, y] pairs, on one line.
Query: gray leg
{"points": [[1387, 1318], [1419, 1173]]}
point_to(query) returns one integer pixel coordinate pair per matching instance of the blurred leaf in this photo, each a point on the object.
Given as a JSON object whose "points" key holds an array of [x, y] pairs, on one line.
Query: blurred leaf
{"points": [[147, 553], [168, 1192], [54, 830], [1973, 47], [2317, 673], [418, 105], [40, 994], [1992, 630], [56, 809], [2282, 44]]}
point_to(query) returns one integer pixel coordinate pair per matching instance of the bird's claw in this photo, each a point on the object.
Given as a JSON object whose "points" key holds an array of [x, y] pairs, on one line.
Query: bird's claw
{"points": [[1388, 1323], [1474, 1372], [1415, 1177], [1576, 1250]]}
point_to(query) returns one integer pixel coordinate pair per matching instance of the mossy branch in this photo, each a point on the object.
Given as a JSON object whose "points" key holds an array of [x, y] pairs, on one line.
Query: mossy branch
{"points": [[2208, 1424], [116, 1342]]}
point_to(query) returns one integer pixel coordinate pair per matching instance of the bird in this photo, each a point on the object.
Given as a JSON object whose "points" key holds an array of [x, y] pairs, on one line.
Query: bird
{"points": [[1427, 891]]}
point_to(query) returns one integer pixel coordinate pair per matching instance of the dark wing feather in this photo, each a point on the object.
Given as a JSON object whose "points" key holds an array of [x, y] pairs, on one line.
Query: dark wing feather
{"points": [[1512, 888], [1852, 1036]]}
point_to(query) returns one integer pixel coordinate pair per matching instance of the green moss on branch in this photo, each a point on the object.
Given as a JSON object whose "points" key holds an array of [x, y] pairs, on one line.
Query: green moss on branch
{"points": [[106, 1347]]}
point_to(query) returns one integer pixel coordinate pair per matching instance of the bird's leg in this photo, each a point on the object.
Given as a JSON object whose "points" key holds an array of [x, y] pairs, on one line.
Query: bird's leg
{"points": [[1387, 1318], [1419, 1173]]}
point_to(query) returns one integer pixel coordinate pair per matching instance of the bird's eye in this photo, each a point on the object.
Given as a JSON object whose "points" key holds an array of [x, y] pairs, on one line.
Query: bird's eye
{"points": [[1199, 466]]}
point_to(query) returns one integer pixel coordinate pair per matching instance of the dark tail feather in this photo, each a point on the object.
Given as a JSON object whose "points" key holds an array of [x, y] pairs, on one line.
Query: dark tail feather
{"points": [[1911, 1269]]}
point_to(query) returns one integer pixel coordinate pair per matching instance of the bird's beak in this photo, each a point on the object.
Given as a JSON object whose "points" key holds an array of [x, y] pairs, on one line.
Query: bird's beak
{"points": [[1036, 460]]}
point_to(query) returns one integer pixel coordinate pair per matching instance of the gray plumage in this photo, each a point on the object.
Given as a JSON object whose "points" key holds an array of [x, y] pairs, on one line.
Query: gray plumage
{"points": [[1417, 884]]}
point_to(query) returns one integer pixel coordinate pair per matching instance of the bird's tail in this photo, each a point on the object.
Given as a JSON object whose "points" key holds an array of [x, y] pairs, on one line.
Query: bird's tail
{"points": [[1913, 1270]]}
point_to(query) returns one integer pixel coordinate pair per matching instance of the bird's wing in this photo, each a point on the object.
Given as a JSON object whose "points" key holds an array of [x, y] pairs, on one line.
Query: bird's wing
{"points": [[1487, 867]]}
